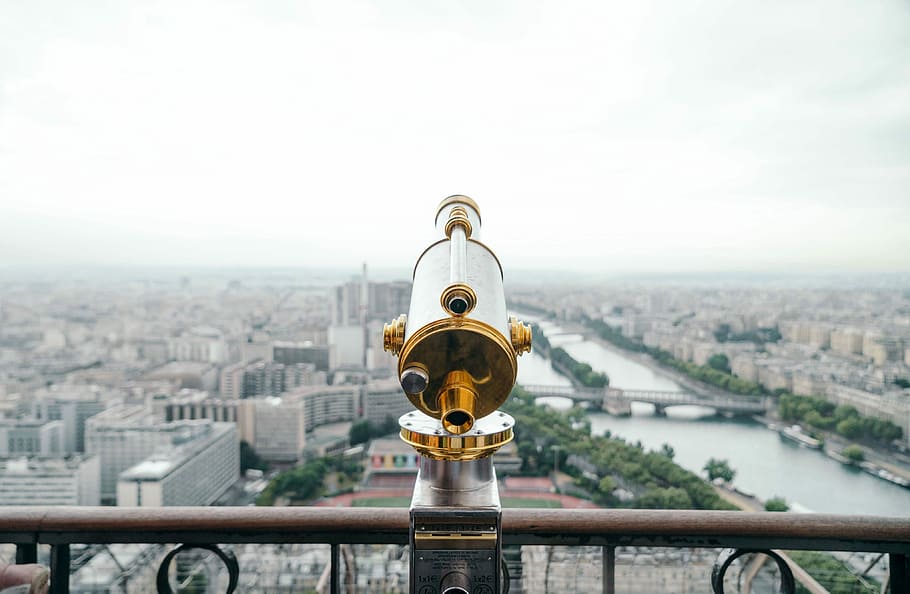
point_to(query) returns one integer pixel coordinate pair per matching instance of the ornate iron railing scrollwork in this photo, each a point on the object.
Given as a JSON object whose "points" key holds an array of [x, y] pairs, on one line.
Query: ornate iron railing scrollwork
{"points": [[226, 556], [728, 556]]}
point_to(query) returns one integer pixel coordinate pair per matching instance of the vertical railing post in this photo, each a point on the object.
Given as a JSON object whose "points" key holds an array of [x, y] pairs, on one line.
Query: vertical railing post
{"points": [[60, 569], [899, 566], [609, 570], [26, 553], [334, 586]]}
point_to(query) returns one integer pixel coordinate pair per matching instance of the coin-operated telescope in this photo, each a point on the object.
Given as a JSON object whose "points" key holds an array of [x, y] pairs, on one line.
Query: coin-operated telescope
{"points": [[457, 364]]}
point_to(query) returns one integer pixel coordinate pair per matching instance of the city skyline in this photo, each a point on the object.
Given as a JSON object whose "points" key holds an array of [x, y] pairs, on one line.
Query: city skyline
{"points": [[611, 139]]}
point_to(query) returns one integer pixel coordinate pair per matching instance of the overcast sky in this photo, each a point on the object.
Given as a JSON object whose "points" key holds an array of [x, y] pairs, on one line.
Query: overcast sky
{"points": [[606, 136]]}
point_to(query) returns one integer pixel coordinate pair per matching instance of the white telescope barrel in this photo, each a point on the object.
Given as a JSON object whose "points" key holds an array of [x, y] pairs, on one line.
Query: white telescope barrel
{"points": [[457, 347]]}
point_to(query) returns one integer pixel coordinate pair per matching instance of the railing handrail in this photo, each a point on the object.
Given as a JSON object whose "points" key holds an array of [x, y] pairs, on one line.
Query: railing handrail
{"points": [[614, 527]]}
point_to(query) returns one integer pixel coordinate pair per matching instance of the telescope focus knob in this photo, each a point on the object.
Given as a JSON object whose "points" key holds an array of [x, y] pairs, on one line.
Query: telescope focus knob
{"points": [[393, 334], [520, 335]]}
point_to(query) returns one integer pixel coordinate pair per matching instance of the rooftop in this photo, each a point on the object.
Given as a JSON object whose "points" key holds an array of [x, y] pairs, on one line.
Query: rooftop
{"points": [[41, 465]]}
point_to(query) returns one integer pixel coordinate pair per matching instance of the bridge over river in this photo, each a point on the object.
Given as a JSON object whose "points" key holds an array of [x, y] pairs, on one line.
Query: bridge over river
{"points": [[619, 401]]}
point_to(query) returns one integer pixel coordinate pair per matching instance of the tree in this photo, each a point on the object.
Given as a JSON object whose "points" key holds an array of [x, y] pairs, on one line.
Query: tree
{"points": [[818, 421], [722, 333], [850, 428], [669, 498], [719, 469], [720, 362], [844, 412], [250, 459], [389, 426], [854, 454], [777, 504], [607, 485], [667, 450], [360, 432]]}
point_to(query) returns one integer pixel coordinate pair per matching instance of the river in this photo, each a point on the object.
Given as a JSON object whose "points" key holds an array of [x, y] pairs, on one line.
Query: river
{"points": [[765, 464]]}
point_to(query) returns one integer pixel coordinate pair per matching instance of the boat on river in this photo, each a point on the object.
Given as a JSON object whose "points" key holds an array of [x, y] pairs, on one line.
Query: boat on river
{"points": [[882, 473], [796, 434]]}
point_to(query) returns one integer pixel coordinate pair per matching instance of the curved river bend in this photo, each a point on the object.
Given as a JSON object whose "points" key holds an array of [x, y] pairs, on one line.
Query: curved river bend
{"points": [[765, 464]]}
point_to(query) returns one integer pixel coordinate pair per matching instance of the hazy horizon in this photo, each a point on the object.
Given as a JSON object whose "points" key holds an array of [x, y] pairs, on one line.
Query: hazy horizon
{"points": [[514, 277], [600, 138]]}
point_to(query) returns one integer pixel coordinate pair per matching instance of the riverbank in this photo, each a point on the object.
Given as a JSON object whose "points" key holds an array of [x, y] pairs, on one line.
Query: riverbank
{"points": [[885, 466], [734, 497], [669, 373], [767, 465], [882, 464]]}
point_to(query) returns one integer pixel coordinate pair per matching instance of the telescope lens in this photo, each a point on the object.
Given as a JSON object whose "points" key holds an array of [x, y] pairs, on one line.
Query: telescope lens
{"points": [[458, 305]]}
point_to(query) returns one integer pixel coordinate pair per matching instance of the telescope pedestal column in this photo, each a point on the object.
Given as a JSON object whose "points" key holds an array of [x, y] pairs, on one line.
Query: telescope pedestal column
{"points": [[455, 514]]}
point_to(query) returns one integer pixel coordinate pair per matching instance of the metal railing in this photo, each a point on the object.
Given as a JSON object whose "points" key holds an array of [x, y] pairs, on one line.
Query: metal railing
{"points": [[59, 527]]}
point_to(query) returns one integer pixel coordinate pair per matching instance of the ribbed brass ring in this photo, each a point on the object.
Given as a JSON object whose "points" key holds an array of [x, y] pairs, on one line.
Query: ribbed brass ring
{"points": [[458, 290], [457, 199], [427, 435], [458, 216], [457, 448]]}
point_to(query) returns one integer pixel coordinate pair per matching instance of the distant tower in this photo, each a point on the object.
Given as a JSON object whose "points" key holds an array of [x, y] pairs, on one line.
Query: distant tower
{"points": [[364, 308]]}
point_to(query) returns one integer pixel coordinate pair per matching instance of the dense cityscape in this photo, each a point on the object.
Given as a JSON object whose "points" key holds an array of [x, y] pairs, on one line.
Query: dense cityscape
{"points": [[672, 355], [201, 389]]}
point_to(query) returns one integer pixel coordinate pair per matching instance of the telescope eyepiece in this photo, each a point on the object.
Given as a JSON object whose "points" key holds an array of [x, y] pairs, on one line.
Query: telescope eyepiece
{"points": [[458, 299], [458, 305]]}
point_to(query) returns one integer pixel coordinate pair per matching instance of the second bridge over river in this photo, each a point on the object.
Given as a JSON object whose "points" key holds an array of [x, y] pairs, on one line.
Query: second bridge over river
{"points": [[619, 401]]}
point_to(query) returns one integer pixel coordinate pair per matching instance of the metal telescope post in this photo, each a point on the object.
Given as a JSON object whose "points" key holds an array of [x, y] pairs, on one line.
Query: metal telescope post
{"points": [[457, 364]]}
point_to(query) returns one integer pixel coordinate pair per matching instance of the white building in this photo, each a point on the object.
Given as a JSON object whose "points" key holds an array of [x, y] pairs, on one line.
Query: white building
{"points": [[267, 378], [27, 437], [806, 383], [281, 423], [205, 345], [347, 346], [195, 472], [72, 405], [634, 325], [230, 381], [37, 480], [774, 374], [892, 407], [744, 367], [847, 341], [192, 405], [881, 348], [382, 399], [279, 429], [188, 374], [126, 435], [256, 347], [121, 437], [328, 404]]}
